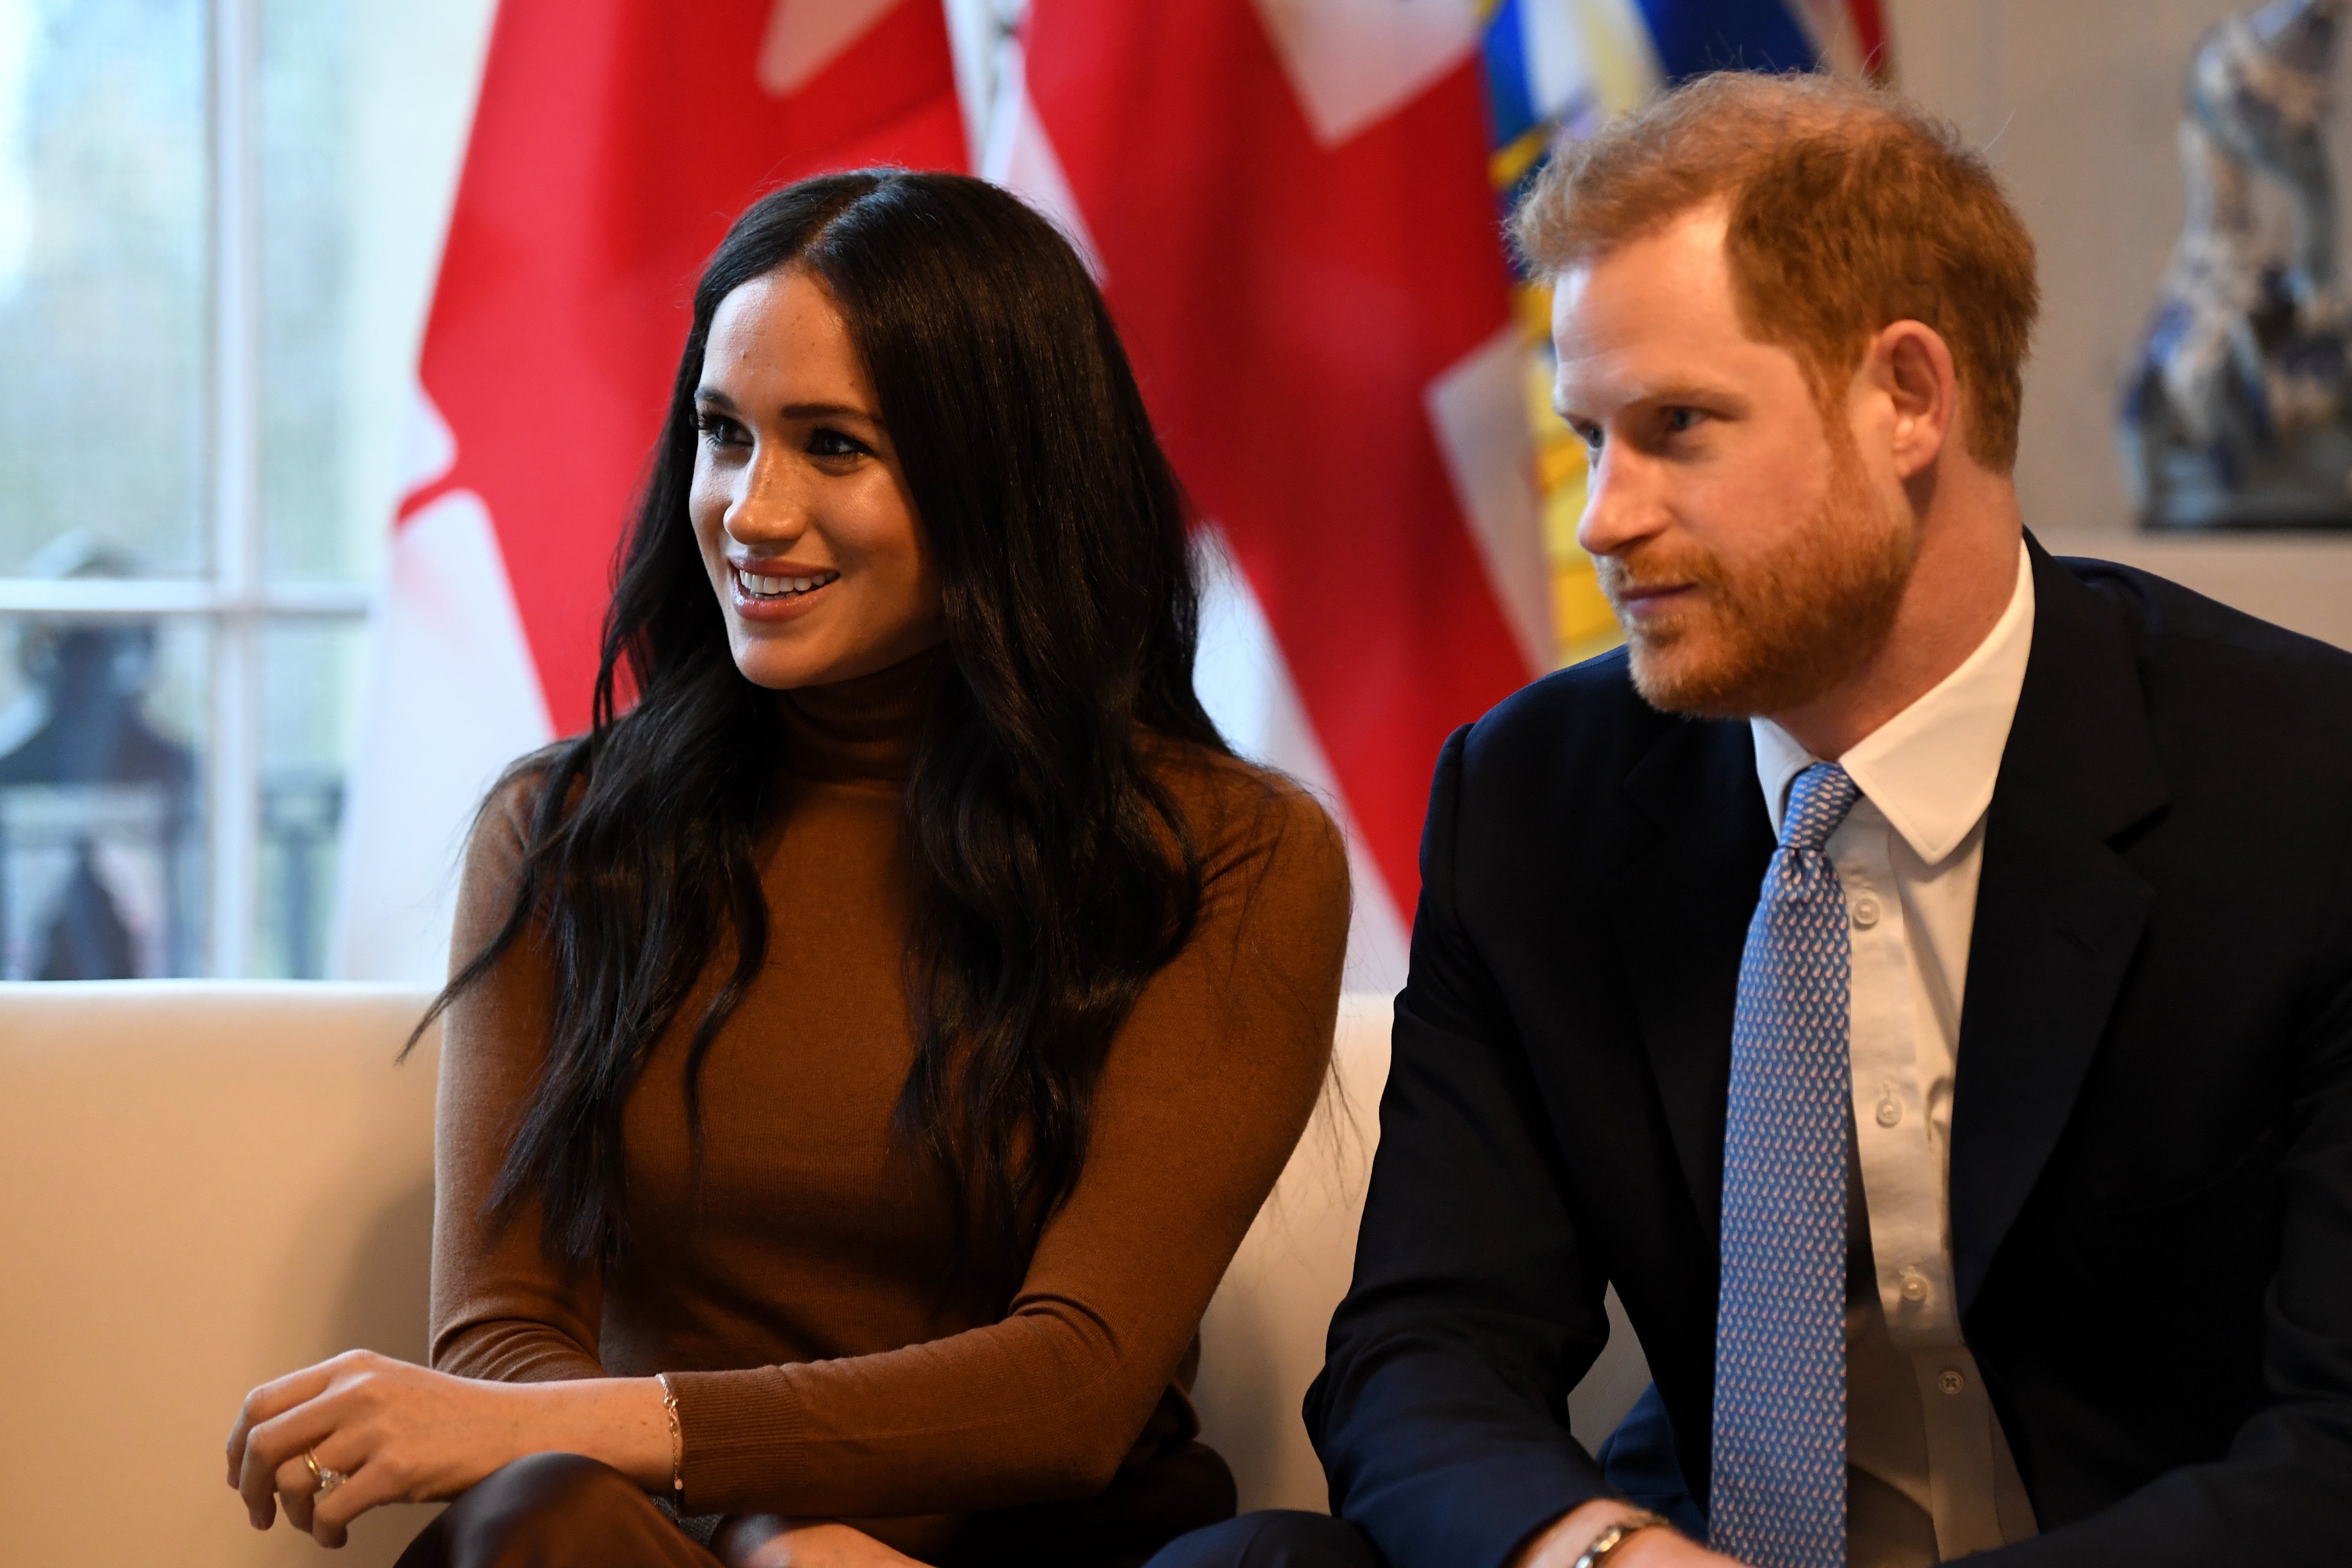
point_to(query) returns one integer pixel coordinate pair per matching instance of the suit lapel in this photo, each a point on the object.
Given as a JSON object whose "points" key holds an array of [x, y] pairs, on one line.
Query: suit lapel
{"points": [[2059, 912], [1688, 872]]}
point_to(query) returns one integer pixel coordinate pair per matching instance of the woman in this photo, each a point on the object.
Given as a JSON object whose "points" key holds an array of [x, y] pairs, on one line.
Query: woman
{"points": [[874, 1042]]}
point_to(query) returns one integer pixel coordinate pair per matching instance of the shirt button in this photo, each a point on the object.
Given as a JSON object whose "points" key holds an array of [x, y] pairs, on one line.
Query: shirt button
{"points": [[1950, 1381], [1890, 1111], [1866, 913], [1915, 1286]]}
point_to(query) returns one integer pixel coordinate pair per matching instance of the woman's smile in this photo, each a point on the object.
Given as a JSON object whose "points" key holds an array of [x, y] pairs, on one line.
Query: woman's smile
{"points": [[777, 590]]}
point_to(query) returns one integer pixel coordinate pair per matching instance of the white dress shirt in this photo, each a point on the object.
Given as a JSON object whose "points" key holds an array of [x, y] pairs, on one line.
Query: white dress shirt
{"points": [[1929, 1470]]}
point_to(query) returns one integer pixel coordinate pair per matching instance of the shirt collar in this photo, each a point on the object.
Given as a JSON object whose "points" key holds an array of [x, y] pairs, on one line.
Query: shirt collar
{"points": [[1930, 769]]}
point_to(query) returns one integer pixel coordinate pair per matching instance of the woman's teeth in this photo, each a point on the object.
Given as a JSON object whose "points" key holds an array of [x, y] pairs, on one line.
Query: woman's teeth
{"points": [[780, 587]]}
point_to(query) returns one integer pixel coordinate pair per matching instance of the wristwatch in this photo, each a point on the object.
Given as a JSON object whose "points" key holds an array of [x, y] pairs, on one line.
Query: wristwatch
{"points": [[1605, 1544]]}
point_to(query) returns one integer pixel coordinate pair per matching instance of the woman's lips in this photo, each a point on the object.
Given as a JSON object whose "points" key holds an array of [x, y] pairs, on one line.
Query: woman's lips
{"points": [[777, 594]]}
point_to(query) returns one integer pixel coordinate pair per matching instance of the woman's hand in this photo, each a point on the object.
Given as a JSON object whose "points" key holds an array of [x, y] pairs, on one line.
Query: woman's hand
{"points": [[764, 1541], [401, 1433]]}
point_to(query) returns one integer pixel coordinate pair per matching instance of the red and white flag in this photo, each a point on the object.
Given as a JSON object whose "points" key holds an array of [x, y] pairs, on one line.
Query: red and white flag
{"points": [[613, 142], [1287, 203]]}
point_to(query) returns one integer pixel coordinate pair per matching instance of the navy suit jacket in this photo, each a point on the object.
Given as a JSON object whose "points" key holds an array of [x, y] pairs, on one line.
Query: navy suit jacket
{"points": [[2151, 1161]]}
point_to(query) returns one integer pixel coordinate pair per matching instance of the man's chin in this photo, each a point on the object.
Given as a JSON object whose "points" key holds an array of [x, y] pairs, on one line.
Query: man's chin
{"points": [[1685, 676]]}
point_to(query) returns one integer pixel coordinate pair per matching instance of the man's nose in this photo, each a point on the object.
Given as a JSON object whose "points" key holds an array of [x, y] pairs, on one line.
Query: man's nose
{"points": [[1620, 509]]}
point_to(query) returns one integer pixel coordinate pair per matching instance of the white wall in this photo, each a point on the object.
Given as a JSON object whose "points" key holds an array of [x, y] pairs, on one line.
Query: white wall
{"points": [[2077, 101]]}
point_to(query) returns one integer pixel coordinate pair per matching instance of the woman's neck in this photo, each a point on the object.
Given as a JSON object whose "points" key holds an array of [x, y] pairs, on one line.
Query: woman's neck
{"points": [[863, 728]]}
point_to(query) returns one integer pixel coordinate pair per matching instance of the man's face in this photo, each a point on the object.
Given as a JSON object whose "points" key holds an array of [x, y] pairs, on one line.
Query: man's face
{"points": [[1753, 558]]}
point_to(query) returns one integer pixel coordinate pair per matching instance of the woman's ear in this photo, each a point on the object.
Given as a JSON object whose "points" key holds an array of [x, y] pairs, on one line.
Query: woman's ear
{"points": [[1910, 365]]}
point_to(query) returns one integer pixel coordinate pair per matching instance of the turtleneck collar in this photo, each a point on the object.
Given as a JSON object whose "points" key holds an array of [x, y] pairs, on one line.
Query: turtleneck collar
{"points": [[863, 728]]}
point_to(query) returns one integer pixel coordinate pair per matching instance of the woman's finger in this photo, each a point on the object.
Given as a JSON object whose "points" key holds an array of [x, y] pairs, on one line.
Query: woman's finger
{"points": [[272, 1398], [305, 1492], [368, 1485], [271, 1445], [294, 1485]]}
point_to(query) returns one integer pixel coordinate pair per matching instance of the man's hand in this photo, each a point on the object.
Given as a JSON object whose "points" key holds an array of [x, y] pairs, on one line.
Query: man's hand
{"points": [[764, 1541], [1659, 1547]]}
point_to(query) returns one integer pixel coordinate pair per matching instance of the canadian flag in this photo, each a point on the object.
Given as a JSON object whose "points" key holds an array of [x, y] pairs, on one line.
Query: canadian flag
{"points": [[613, 142], [1287, 204]]}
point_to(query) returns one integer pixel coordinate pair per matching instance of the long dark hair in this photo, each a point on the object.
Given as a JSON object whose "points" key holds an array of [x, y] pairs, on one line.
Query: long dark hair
{"points": [[1052, 873]]}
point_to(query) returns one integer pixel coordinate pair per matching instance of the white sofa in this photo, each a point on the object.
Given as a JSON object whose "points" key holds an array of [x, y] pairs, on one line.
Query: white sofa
{"points": [[204, 1185]]}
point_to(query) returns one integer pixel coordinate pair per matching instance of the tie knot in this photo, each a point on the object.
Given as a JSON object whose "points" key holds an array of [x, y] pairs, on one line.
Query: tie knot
{"points": [[1818, 802]]}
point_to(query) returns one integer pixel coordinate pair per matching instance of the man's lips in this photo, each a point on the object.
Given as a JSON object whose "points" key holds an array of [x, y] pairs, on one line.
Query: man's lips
{"points": [[1635, 598]]}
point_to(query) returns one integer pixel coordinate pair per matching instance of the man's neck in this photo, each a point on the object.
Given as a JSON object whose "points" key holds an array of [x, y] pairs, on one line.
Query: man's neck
{"points": [[1961, 582]]}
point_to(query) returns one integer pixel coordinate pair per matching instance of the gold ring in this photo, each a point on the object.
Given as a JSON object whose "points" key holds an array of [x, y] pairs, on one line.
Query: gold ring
{"points": [[327, 1481]]}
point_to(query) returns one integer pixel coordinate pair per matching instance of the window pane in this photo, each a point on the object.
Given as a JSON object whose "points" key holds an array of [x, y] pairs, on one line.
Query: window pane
{"points": [[364, 110], [305, 284], [104, 317], [101, 839], [308, 671]]}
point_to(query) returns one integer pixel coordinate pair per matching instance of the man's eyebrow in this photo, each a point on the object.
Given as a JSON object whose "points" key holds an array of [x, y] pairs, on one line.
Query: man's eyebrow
{"points": [[1669, 392], [1682, 392]]}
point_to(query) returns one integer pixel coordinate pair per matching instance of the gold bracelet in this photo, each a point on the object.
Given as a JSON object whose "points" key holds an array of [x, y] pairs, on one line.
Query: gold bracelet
{"points": [[1614, 1536], [677, 1445]]}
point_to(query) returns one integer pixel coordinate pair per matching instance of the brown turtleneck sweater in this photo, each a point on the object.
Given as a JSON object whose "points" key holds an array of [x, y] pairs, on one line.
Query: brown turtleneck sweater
{"points": [[797, 1304]]}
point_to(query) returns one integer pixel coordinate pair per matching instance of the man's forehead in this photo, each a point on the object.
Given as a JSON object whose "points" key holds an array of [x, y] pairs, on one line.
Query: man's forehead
{"points": [[1668, 271], [1595, 383], [1650, 316]]}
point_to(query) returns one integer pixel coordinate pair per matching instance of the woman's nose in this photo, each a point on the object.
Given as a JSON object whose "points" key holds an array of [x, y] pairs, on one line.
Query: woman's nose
{"points": [[769, 509]]}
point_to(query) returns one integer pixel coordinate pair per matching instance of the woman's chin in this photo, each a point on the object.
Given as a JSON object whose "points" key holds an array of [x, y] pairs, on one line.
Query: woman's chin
{"points": [[763, 663]]}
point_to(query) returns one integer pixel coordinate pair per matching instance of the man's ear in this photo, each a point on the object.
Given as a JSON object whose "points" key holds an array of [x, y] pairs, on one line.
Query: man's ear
{"points": [[1910, 365]]}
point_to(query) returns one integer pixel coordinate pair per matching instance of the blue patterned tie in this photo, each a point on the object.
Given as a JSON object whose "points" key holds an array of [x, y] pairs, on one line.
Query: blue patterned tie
{"points": [[1779, 1465]]}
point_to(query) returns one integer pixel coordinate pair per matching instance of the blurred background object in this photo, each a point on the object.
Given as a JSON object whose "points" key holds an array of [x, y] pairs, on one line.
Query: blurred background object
{"points": [[223, 222], [2239, 412], [99, 857]]}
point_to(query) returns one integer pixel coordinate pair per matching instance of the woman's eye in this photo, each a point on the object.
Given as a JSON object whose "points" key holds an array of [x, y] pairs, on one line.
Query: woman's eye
{"points": [[824, 443], [718, 430]]}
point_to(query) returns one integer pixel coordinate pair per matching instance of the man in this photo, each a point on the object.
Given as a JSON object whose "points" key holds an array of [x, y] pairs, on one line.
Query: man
{"points": [[1915, 971]]}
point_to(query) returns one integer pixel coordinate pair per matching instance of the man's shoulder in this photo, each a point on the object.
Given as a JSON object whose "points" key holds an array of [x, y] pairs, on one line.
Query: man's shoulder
{"points": [[2177, 630], [1579, 721], [1563, 749]]}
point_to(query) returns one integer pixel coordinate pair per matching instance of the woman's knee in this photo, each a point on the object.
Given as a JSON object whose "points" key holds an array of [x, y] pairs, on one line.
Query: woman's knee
{"points": [[555, 1511], [1273, 1538]]}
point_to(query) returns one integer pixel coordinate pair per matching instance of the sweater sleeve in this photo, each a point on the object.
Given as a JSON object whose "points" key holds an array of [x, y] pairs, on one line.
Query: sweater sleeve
{"points": [[499, 1309], [1206, 1088]]}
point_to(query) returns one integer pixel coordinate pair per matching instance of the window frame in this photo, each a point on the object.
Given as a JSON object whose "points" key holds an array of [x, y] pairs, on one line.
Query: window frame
{"points": [[235, 597]]}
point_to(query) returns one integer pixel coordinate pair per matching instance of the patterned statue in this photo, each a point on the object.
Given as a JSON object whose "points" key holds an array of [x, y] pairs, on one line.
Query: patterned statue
{"points": [[2238, 413]]}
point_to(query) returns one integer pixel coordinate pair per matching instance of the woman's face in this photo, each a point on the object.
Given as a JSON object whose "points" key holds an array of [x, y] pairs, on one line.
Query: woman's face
{"points": [[798, 503]]}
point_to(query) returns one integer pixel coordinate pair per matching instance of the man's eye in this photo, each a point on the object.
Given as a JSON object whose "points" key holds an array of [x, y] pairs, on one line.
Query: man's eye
{"points": [[1588, 434], [1681, 419]]}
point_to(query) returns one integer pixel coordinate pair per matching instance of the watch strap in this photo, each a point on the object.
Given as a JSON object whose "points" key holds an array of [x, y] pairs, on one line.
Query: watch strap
{"points": [[1613, 1536]]}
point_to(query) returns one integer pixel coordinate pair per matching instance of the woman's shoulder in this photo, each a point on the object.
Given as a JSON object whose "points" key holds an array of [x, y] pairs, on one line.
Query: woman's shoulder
{"points": [[1241, 814], [501, 832]]}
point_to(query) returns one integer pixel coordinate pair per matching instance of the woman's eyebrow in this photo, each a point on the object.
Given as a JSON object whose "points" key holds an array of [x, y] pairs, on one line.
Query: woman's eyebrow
{"points": [[828, 411]]}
